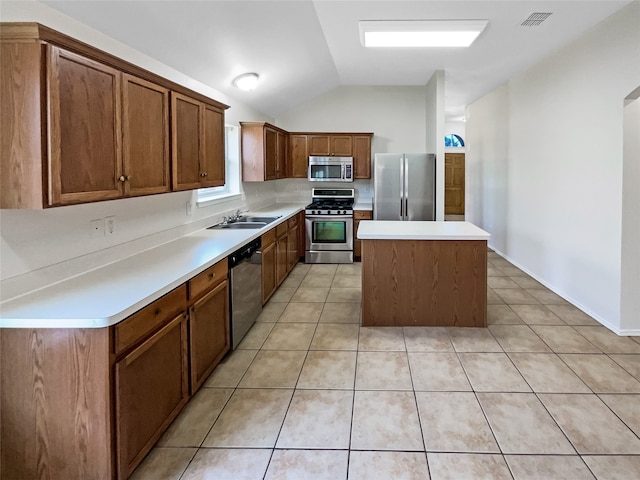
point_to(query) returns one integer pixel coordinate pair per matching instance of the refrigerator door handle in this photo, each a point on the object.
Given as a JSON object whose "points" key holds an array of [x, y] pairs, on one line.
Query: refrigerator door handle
{"points": [[405, 188], [402, 174]]}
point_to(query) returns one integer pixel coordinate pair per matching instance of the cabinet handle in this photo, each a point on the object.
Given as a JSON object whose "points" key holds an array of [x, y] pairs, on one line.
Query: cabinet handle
{"points": [[211, 275], [157, 311], [128, 177], [122, 179], [203, 174]]}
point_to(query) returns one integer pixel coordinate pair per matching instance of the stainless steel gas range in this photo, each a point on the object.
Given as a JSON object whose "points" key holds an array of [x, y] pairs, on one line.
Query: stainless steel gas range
{"points": [[329, 226]]}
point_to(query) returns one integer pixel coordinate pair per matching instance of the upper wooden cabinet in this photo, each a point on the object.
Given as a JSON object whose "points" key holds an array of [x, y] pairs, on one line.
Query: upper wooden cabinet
{"points": [[298, 156], [265, 149], [145, 135], [339, 145], [356, 145], [362, 156], [197, 136], [79, 125]]}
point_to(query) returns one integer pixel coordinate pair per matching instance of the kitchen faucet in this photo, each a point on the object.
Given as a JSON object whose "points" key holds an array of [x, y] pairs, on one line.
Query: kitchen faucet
{"points": [[234, 216]]}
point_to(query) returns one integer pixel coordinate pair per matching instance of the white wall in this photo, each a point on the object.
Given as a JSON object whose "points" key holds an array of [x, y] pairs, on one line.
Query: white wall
{"points": [[487, 165], [630, 272], [396, 116], [564, 168], [39, 247]]}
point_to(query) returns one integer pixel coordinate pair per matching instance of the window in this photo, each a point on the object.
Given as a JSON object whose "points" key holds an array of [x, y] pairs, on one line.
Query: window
{"points": [[453, 140], [231, 188]]}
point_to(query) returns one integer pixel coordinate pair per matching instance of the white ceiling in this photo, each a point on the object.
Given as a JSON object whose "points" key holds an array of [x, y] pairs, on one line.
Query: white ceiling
{"points": [[302, 49]]}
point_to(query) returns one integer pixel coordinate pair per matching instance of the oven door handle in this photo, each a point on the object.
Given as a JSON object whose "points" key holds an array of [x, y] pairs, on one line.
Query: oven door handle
{"points": [[328, 217]]}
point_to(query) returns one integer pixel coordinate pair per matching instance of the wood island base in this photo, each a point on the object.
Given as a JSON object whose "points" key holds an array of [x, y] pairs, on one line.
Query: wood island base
{"points": [[424, 283]]}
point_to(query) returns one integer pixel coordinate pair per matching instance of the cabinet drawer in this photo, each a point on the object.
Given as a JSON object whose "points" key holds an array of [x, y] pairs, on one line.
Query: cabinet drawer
{"points": [[208, 279], [293, 222], [268, 238], [362, 214], [130, 331], [282, 229]]}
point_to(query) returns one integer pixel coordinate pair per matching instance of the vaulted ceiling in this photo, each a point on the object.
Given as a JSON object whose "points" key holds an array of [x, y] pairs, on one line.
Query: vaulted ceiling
{"points": [[302, 49]]}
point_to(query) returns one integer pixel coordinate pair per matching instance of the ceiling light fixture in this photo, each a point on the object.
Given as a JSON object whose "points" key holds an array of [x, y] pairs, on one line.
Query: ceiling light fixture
{"points": [[246, 81], [420, 33]]}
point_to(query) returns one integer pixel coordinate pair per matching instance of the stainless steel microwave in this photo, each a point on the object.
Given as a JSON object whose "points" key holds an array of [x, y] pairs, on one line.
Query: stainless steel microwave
{"points": [[330, 169]]}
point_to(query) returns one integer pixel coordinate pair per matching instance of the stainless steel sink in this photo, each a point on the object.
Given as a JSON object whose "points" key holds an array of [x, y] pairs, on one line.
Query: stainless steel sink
{"points": [[252, 219], [238, 226]]}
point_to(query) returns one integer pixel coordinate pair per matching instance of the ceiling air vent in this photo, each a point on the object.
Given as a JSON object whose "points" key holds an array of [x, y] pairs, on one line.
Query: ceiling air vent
{"points": [[535, 19]]}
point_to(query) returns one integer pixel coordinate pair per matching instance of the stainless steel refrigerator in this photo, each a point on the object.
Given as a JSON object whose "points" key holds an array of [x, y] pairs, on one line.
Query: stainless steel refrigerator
{"points": [[404, 186]]}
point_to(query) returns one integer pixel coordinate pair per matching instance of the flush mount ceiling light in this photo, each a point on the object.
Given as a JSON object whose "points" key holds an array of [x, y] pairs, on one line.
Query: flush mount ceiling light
{"points": [[246, 81], [420, 33]]}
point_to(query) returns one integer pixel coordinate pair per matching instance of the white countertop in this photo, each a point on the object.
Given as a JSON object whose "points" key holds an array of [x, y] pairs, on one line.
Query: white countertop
{"points": [[396, 230], [109, 294], [363, 205]]}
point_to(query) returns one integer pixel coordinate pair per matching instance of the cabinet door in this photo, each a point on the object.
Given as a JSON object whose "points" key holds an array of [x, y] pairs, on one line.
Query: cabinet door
{"points": [[292, 248], [84, 129], [298, 157], [270, 154], [282, 146], [357, 244], [186, 129], [268, 272], [342, 145], [209, 333], [362, 156], [213, 150], [282, 259], [151, 387], [145, 134], [301, 235], [319, 145]]}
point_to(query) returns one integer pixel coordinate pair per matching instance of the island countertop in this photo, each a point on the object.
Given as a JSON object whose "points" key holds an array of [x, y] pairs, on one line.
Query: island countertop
{"points": [[398, 230]]}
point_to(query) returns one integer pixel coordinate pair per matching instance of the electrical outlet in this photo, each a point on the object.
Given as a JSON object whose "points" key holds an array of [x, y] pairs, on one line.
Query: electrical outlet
{"points": [[109, 225], [189, 209], [96, 228]]}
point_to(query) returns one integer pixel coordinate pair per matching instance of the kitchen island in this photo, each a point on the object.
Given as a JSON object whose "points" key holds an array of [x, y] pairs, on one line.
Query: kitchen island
{"points": [[423, 274]]}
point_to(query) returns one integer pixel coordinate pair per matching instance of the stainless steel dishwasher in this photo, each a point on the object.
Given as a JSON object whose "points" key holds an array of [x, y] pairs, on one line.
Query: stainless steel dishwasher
{"points": [[245, 305]]}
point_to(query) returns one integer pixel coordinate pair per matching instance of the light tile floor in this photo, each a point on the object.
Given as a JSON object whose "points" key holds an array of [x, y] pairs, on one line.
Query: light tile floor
{"points": [[544, 392]]}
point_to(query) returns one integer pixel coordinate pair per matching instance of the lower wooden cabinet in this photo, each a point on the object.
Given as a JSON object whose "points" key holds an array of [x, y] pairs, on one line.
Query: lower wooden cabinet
{"points": [[292, 243], [357, 244], [282, 252], [209, 335], [282, 247], [268, 264], [151, 387]]}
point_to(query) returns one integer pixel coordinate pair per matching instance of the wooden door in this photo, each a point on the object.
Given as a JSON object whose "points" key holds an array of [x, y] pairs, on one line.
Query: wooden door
{"points": [[454, 183], [145, 133], [270, 154], [151, 387], [84, 129], [342, 145], [282, 146], [186, 132], [213, 161], [298, 157], [209, 333], [362, 156]]}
